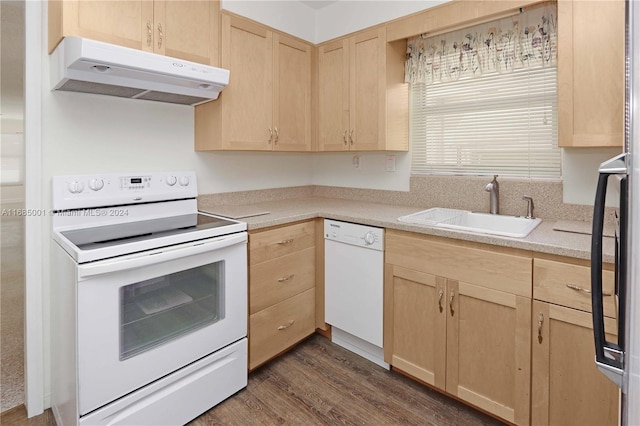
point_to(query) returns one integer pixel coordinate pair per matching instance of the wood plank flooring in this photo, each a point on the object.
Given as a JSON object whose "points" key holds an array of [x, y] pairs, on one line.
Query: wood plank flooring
{"points": [[319, 383]]}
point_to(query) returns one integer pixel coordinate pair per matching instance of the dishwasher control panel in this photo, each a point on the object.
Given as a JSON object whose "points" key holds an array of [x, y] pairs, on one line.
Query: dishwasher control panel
{"points": [[354, 234]]}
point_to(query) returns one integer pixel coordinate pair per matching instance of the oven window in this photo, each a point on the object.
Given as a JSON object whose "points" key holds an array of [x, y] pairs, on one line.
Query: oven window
{"points": [[161, 309]]}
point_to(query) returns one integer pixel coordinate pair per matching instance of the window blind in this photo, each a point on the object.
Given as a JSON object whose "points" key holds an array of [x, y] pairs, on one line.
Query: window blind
{"points": [[503, 124]]}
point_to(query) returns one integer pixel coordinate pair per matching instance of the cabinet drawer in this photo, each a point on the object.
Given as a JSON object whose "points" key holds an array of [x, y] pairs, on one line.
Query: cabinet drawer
{"points": [[280, 326], [506, 270], [266, 245], [569, 285], [278, 279]]}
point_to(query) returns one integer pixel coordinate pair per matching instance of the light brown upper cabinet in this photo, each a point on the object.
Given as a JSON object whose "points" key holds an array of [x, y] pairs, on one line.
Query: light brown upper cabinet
{"points": [[267, 105], [590, 73], [362, 98], [185, 30]]}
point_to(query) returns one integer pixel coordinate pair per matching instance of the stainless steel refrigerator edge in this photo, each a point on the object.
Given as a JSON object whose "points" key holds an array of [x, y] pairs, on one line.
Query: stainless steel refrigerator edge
{"points": [[620, 361], [631, 388]]}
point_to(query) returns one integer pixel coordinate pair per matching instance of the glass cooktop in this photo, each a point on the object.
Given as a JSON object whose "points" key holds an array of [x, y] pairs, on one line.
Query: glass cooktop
{"points": [[143, 230]]}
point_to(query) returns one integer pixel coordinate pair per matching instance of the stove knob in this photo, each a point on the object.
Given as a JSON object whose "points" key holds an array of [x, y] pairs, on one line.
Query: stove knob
{"points": [[171, 180], [96, 184], [369, 238], [75, 187], [184, 180]]}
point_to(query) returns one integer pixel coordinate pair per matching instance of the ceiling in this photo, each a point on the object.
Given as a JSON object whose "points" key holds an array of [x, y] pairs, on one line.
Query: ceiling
{"points": [[317, 4]]}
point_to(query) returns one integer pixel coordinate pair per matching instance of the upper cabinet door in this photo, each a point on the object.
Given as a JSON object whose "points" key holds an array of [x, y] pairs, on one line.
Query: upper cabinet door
{"points": [[187, 30], [591, 73], [182, 29], [333, 96], [362, 98], [247, 114], [367, 75], [125, 23], [292, 89]]}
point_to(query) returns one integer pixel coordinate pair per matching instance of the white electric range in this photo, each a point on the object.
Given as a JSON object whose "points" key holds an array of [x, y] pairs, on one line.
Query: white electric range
{"points": [[149, 312]]}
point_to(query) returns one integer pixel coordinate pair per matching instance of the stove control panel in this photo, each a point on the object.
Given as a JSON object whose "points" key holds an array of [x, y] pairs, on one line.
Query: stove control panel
{"points": [[135, 182], [111, 189]]}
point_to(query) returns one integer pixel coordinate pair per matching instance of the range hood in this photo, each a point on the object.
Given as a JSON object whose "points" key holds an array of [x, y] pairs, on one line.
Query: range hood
{"points": [[89, 66]]}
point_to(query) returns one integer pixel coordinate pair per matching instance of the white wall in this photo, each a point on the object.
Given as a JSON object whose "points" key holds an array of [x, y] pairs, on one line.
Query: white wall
{"points": [[347, 16], [334, 20], [92, 133], [337, 169], [580, 174], [290, 17]]}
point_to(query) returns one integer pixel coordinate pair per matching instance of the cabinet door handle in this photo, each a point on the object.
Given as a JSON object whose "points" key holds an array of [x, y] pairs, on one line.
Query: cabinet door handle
{"points": [[270, 135], [540, 322], [351, 137], [284, 327], [584, 290], [451, 296], [440, 294], [285, 242], [344, 137], [287, 278], [149, 33], [160, 35], [277, 136]]}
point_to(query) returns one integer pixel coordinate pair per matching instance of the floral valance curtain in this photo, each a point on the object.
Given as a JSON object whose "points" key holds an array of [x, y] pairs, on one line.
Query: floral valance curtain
{"points": [[521, 41]]}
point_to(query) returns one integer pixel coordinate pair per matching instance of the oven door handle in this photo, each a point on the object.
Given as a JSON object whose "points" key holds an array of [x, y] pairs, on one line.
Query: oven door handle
{"points": [[160, 255]]}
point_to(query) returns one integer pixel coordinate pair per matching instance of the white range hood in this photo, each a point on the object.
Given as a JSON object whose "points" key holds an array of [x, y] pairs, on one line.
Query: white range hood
{"points": [[88, 66]]}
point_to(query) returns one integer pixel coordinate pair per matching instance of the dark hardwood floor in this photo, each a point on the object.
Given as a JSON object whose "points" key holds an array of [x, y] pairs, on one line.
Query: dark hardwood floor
{"points": [[319, 383]]}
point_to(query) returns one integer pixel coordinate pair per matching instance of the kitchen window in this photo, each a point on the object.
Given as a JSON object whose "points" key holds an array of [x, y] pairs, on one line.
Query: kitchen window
{"points": [[483, 100]]}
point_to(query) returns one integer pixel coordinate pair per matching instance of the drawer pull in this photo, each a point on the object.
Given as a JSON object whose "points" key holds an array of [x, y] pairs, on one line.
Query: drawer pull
{"points": [[451, 296], [161, 35], [585, 290], [149, 34], [287, 278], [285, 242], [540, 321], [440, 294], [284, 327]]}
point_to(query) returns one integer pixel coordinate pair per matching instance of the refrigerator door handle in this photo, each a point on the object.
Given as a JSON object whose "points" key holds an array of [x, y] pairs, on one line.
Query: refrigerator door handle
{"points": [[609, 356]]}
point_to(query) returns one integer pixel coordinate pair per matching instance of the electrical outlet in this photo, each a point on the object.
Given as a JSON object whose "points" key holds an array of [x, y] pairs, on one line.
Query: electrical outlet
{"points": [[391, 163], [356, 161]]}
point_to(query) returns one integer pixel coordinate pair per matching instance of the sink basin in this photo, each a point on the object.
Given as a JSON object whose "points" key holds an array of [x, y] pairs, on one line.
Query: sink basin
{"points": [[464, 220]]}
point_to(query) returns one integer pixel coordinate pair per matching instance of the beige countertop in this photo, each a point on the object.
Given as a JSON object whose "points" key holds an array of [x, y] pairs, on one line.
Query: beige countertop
{"points": [[543, 239]]}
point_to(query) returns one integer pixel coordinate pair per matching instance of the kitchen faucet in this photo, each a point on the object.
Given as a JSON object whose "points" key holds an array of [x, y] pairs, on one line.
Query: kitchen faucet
{"points": [[493, 189], [529, 201]]}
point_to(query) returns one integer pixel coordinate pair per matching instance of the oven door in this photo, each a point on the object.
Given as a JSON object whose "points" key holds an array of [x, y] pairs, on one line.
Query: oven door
{"points": [[146, 315]]}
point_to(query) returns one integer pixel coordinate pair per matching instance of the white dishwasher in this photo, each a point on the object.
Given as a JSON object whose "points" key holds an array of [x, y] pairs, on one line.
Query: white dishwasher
{"points": [[354, 262]]}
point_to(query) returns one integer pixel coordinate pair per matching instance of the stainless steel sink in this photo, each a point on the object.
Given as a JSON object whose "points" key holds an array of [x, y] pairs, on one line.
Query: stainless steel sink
{"points": [[464, 220]]}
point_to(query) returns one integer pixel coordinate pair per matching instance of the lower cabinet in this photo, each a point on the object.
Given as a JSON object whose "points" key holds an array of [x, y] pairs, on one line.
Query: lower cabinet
{"points": [[567, 387], [281, 289], [278, 327], [458, 317]]}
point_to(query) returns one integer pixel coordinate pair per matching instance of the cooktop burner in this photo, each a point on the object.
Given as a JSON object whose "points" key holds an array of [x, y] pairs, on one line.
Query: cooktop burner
{"points": [[142, 230]]}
